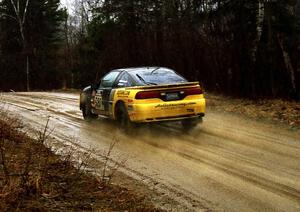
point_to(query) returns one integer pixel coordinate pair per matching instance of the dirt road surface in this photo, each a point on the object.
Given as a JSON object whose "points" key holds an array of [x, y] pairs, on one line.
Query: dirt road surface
{"points": [[229, 163]]}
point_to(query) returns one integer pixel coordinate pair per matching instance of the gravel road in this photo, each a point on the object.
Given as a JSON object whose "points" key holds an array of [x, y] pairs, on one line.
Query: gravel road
{"points": [[229, 163]]}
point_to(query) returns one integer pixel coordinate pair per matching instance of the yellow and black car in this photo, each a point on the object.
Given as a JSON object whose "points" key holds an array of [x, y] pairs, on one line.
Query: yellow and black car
{"points": [[146, 94]]}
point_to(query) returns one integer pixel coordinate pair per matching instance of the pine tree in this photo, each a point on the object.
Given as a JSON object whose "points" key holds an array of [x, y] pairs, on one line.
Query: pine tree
{"points": [[37, 40]]}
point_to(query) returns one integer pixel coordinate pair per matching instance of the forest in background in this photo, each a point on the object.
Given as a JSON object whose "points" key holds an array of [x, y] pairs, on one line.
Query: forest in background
{"points": [[235, 47]]}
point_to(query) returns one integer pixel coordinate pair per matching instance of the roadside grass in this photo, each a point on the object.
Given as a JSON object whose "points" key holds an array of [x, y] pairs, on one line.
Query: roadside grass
{"points": [[34, 178]]}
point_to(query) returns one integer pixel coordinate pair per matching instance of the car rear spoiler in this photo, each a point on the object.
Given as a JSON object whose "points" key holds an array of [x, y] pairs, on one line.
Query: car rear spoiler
{"points": [[190, 84]]}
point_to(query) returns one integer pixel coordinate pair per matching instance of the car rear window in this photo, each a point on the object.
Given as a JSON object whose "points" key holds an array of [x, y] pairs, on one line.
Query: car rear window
{"points": [[156, 76]]}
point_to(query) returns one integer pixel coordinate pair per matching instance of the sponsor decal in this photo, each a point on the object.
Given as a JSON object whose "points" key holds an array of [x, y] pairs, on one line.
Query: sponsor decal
{"points": [[123, 93], [98, 100], [166, 106]]}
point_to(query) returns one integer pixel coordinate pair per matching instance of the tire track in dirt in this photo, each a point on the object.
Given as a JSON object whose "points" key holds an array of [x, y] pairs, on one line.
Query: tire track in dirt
{"points": [[240, 169], [178, 194]]}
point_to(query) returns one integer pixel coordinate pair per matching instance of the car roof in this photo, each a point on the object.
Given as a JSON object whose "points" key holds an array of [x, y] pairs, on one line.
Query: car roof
{"points": [[139, 68]]}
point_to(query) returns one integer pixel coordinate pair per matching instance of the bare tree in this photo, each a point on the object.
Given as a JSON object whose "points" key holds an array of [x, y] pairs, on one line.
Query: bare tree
{"points": [[21, 18], [259, 25], [287, 62]]}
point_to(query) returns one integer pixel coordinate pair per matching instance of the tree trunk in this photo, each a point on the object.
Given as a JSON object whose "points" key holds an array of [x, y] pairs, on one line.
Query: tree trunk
{"points": [[288, 64], [259, 25], [27, 73], [21, 18]]}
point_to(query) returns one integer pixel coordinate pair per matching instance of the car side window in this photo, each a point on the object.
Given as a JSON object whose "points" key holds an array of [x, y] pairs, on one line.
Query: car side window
{"points": [[109, 79], [125, 81]]}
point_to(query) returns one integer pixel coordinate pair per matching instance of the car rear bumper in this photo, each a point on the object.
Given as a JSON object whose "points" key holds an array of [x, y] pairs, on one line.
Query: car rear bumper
{"points": [[174, 118], [167, 111]]}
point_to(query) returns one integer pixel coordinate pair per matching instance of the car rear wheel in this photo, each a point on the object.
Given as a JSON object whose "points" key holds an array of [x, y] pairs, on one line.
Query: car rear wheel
{"points": [[190, 124], [123, 118], [87, 113]]}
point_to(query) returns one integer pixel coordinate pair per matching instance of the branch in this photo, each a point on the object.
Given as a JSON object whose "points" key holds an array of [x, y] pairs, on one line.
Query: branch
{"points": [[10, 16], [25, 11], [15, 9], [18, 19]]}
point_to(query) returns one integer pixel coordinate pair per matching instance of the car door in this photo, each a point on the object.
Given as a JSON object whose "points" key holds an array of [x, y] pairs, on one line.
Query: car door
{"points": [[102, 100]]}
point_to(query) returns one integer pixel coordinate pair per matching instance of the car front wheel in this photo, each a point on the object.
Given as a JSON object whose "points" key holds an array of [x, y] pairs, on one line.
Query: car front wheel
{"points": [[87, 113]]}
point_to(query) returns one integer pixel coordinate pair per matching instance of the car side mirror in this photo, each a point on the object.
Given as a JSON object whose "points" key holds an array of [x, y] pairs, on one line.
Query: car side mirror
{"points": [[122, 83]]}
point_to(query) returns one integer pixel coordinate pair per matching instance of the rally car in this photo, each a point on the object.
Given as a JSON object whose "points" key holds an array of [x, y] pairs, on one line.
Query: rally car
{"points": [[143, 95]]}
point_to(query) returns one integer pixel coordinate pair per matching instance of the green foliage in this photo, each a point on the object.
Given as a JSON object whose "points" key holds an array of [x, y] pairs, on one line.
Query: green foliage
{"points": [[239, 47], [42, 31], [216, 41]]}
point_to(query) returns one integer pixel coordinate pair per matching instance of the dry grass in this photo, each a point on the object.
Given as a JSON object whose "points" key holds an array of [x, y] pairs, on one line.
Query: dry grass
{"points": [[32, 177]]}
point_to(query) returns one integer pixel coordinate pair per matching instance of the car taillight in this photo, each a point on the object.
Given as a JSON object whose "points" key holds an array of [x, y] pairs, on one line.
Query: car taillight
{"points": [[161, 94], [193, 91], [147, 95]]}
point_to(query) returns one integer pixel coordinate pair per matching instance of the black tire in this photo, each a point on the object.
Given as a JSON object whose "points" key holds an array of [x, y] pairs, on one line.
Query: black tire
{"points": [[123, 119], [190, 124], [87, 113]]}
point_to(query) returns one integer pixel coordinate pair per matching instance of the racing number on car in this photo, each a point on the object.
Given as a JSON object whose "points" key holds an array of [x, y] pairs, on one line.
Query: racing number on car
{"points": [[99, 100]]}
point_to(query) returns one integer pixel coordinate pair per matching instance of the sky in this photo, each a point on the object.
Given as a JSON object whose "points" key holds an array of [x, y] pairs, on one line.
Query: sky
{"points": [[66, 3]]}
